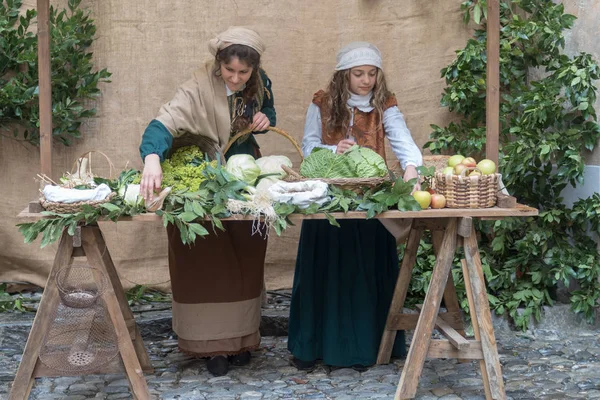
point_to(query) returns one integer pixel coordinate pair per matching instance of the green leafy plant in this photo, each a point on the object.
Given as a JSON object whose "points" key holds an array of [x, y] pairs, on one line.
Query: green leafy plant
{"points": [[547, 122], [10, 302], [74, 80], [142, 294], [51, 228]]}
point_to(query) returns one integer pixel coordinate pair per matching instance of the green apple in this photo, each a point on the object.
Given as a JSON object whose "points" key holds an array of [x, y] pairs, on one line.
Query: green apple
{"points": [[455, 160], [422, 197], [487, 167], [448, 171]]}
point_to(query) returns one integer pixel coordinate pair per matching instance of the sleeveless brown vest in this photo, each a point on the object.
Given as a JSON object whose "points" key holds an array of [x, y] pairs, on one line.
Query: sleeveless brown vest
{"points": [[367, 128]]}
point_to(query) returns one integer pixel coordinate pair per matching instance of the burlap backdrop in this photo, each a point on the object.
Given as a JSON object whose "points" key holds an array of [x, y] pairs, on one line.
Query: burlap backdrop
{"points": [[151, 47]]}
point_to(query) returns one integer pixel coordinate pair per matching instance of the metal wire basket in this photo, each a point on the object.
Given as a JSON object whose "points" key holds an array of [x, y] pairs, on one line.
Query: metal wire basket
{"points": [[79, 339], [80, 286]]}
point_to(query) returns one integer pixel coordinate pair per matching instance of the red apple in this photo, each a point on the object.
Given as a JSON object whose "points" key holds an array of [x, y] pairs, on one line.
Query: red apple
{"points": [[422, 197], [438, 201], [469, 162]]}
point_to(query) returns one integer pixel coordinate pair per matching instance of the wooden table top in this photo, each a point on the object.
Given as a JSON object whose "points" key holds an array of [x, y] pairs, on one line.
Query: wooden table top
{"points": [[484, 213]]}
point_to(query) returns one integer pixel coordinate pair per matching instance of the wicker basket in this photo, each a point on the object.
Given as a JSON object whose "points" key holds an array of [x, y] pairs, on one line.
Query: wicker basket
{"points": [[70, 208], [355, 184], [468, 191]]}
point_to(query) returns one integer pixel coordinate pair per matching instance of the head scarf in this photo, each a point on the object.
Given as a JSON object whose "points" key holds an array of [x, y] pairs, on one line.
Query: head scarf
{"points": [[356, 54], [236, 35]]}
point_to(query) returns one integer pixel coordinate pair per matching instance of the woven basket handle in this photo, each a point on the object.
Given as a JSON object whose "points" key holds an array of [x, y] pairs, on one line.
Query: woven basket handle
{"points": [[291, 173], [270, 128], [88, 154]]}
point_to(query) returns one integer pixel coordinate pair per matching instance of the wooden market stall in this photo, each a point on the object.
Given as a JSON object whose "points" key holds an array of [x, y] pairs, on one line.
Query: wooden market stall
{"points": [[450, 228]]}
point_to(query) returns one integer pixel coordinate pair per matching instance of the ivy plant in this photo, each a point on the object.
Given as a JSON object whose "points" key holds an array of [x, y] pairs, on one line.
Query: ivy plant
{"points": [[548, 122], [74, 78]]}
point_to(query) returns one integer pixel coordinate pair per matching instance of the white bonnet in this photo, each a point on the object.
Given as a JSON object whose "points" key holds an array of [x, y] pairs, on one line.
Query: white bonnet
{"points": [[358, 53]]}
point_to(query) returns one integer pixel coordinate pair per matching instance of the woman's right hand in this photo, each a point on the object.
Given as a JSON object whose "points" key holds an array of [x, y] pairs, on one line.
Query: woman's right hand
{"points": [[344, 145], [151, 177]]}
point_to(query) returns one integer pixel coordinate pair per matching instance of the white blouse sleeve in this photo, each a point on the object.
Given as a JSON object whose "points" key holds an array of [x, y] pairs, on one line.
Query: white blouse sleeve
{"points": [[313, 131], [403, 145]]}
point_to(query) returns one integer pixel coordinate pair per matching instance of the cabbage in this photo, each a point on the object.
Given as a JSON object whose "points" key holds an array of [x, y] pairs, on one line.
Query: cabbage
{"points": [[243, 167], [131, 195], [272, 165], [357, 162], [323, 163], [368, 163]]}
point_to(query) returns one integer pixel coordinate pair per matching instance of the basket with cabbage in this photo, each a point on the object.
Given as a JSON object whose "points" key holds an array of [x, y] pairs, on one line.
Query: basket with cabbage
{"points": [[358, 168]]}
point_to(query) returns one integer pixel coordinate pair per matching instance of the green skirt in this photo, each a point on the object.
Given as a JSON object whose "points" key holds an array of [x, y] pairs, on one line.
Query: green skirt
{"points": [[343, 286]]}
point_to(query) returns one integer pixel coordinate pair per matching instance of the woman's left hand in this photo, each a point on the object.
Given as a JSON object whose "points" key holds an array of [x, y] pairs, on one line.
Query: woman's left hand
{"points": [[411, 173], [260, 122]]}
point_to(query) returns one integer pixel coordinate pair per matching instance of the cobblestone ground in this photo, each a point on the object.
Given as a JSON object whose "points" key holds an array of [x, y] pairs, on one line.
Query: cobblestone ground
{"points": [[562, 363]]}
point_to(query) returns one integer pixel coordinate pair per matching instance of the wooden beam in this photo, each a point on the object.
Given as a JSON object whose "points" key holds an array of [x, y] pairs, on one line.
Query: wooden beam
{"points": [[492, 100], [482, 367], [455, 338], [403, 281], [484, 318], [45, 84], [42, 322], [407, 388], [405, 322], [444, 349]]}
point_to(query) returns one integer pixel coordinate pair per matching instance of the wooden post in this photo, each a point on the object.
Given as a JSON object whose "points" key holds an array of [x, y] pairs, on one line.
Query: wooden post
{"points": [[45, 95], [492, 99]]}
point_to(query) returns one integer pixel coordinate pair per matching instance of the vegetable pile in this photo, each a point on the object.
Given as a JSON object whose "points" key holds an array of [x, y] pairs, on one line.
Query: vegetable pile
{"points": [[206, 191]]}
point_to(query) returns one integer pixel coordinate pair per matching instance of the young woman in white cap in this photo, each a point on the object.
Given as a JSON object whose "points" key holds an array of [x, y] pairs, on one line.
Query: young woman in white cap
{"points": [[217, 282], [345, 277]]}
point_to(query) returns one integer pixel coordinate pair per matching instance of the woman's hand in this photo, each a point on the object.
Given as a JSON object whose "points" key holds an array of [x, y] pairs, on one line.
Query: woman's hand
{"points": [[411, 173], [151, 177], [260, 122], [344, 145]]}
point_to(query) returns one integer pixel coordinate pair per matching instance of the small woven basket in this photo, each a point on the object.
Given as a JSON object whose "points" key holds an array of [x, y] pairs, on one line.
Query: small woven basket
{"points": [[357, 185], [468, 191], [70, 208]]}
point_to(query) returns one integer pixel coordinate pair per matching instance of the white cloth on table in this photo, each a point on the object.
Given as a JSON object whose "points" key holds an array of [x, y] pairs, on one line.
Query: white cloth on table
{"points": [[301, 194], [59, 194]]}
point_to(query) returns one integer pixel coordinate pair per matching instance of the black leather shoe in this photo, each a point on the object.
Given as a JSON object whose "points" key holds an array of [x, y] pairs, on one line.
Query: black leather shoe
{"points": [[303, 365], [218, 366], [240, 359]]}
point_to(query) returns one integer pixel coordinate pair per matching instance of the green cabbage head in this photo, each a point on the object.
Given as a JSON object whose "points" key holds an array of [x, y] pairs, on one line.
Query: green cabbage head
{"points": [[368, 163], [243, 167]]}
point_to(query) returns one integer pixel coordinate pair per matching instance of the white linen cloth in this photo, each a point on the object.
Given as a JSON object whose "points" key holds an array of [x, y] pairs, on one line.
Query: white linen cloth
{"points": [[301, 194], [59, 194]]}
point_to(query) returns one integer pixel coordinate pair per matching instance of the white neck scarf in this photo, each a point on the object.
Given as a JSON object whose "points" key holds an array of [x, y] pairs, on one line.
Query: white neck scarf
{"points": [[360, 102]]}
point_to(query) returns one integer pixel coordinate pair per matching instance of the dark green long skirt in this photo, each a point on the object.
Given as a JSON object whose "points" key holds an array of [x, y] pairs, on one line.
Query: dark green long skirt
{"points": [[343, 286]]}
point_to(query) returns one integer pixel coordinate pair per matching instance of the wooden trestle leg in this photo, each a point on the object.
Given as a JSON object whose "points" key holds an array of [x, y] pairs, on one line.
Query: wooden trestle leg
{"points": [[133, 354]]}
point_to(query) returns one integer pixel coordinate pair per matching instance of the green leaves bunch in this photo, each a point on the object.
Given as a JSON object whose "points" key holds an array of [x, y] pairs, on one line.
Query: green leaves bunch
{"points": [[547, 122], [74, 79]]}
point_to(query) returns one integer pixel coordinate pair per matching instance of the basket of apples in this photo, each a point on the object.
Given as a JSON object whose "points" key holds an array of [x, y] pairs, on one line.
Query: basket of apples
{"points": [[466, 183]]}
